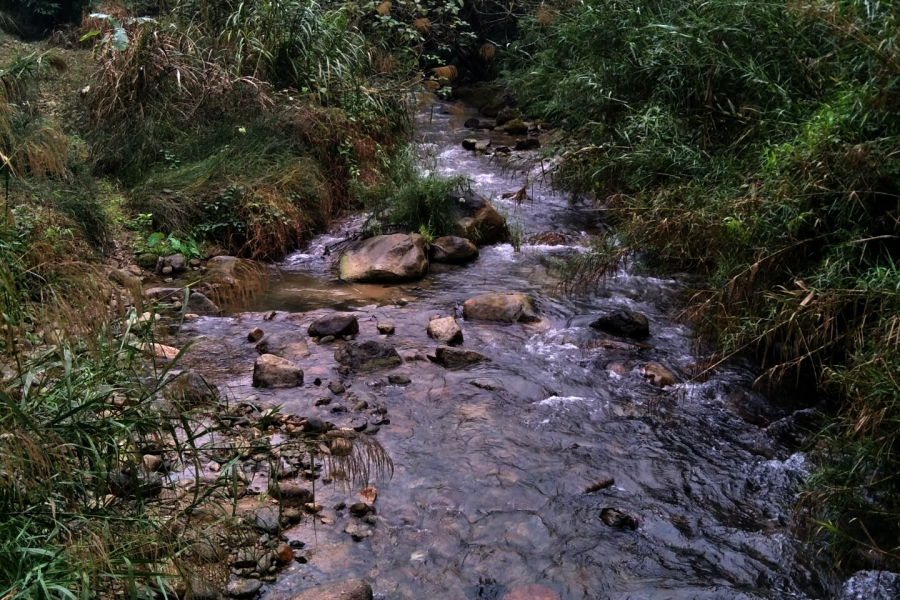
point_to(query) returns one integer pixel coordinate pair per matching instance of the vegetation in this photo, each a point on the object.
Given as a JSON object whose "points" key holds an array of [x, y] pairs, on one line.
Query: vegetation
{"points": [[756, 143]]}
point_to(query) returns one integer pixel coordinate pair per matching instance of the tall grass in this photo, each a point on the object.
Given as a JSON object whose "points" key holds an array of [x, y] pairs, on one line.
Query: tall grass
{"points": [[758, 144]]}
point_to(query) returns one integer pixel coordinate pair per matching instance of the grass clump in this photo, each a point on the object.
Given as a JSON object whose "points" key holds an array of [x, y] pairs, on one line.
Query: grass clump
{"points": [[756, 144]]}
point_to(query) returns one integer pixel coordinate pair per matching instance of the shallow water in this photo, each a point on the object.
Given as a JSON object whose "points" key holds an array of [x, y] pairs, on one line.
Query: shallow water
{"points": [[488, 486]]}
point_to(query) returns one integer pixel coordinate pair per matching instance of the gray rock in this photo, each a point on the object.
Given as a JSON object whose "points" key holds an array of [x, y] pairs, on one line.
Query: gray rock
{"points": [[385, 258], [351, 589], [197, 303], [506, 308], [478, 221], [457, 358], [367, 356], [267, 520], [525, 144], [399, 380], [286, 345], [337, 388], [255, 335], [386, 328], [270, 371], [625, 323], [243, 588], [175, 262], [290, 492], [335, 324], [453, 249]]}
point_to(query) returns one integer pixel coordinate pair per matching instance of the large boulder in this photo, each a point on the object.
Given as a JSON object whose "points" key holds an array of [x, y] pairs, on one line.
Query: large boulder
{"points": [[457, 358], [385, 258], [445, 331], [625, 323], [351, 589], [336, 325], [453, 249], [367, 356], [506, 308], [272, 371], [478, 221]]}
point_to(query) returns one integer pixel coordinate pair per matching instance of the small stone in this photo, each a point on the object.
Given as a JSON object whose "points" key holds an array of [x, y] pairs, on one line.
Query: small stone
{"points": [[152, 463], [600, 484], [166, 270], [255, 335], [358, 424], [445, 331], [324, 401], [369, 494], [243, 588], [357, 532], [525, 144], [491, 385], [334, 325], [267, 520], [386, 328], [284, 554], [361, 405], [399, 379], [659, 375], [326, 339], [625, 323], [614, 517], [337, 388], [361, 509], [272, 371], [457, 358]]}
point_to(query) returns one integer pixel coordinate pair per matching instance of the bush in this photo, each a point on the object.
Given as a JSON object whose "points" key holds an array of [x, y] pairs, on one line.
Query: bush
{"points": [[757, 143]]}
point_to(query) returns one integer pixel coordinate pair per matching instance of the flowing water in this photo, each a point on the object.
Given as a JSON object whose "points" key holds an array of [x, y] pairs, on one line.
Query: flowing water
{"points": [[488, 488]]}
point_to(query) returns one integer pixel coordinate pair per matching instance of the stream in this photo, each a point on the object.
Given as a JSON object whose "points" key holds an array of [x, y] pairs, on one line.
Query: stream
{"points": [[488, 487]]}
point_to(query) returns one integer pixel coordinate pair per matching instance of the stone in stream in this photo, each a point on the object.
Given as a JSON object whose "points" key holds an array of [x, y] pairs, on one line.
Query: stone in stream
{"points": [[243, 588], [472, 123], [255, 335], [659, 375], [190, 388], [453, 249], [357, 531], [285, 345], [478, 221], [481, 146], [385, 258], [386, 328], [367, 356], [197, 302], [515, 127], [505, 116], [457, 358], [506, 308], [625, 323], [445, 331], [270, 371], [491, 385], [290, 492], [336, 387], [524, 144], [399, 380], [534, 591], [335, 324]]}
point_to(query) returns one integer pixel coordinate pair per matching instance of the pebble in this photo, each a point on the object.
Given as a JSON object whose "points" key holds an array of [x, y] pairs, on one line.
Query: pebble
{"points": [[386, 328], [255, 335]]}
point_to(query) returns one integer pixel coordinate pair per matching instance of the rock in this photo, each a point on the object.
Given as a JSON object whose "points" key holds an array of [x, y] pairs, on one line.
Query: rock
{"points": [[478, 221], [255, 335], [469, 143], [272, 371], [385, 258], [472, 123], [284, 554], [152, 463], [535, 591], [337, 388], [525, 144], [453, 249], [351, 589], [445, 331], [125, 278], [659, 375], [871, 585], [369, 494], [753, 408], [600, 484], [167, 271], [358, 532], [625, 323], [285, 345], [385, 328], [481, 146], [457, 358], [505, 116], [267, 520], [548, 238], [147, 260], [198, 588], [506, 308], [290, 492], [515, 127], [399, 380], [367, 356], [614, 517], [175, 263], [197, 303], [361, 509], [336, 324], [243, 588], [190, 389], [491, 385]]}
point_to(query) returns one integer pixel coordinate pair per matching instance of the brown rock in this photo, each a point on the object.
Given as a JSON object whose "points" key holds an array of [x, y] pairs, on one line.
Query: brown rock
{"points": [[385, 258], [457, 358], [506, 308], [272, 371], [453, 249], [659, 375], [351, 589], [255, 335]]}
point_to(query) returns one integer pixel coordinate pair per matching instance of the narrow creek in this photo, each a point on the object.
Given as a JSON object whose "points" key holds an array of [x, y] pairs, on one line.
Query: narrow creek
{"points": [[488, 488]]}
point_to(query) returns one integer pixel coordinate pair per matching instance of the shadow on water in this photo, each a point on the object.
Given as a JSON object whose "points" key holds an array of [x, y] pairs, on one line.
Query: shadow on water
{"points": [[492, 462]]}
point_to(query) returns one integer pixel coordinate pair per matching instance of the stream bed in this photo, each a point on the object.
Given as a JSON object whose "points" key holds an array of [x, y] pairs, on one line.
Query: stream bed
{"points": [[491, 462]]}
